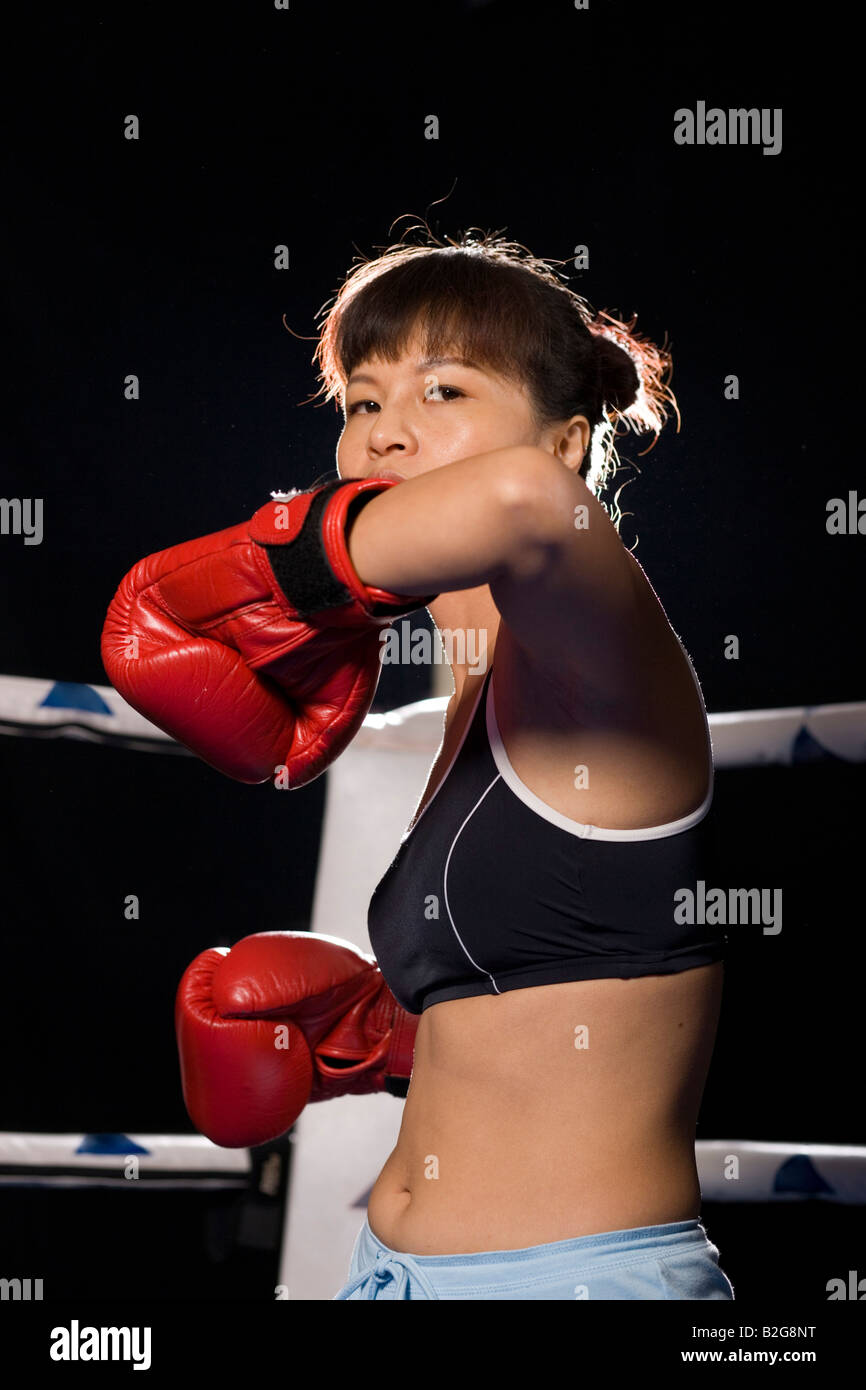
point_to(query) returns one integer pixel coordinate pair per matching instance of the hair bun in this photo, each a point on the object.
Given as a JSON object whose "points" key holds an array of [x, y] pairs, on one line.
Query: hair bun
{"points": [[618, 376]]}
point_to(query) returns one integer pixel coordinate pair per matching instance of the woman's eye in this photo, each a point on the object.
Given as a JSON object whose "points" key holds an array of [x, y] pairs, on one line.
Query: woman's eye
{"points": [[431, 393], [436, 391]]}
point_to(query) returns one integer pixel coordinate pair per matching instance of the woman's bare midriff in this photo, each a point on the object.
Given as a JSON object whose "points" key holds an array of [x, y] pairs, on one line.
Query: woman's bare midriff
{"points": [[514, 1136], [566, 1110]]}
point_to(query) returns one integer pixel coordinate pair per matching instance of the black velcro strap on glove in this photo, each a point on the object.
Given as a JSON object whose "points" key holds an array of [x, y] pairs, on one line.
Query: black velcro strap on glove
{"points": [[301, 567]]}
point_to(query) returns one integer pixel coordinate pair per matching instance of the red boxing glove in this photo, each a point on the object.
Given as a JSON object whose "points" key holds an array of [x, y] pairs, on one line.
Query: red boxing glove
{"points": [[257, 647], [263, 1028]]}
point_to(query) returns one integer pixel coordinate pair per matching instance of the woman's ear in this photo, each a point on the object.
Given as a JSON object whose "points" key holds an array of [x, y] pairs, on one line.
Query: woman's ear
{"points": [[572, 443]]}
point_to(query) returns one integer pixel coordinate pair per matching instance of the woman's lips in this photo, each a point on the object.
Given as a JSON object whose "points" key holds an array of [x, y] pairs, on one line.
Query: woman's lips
{"points": [[389, 473]]}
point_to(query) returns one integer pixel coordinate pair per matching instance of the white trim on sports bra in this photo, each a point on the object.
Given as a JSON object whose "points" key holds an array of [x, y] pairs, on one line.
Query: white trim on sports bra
{"points": [[595, 832], [541, 808]]}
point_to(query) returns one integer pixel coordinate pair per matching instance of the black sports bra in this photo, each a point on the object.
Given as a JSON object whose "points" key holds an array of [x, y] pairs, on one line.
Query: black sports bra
{"points": [[492, 890]]}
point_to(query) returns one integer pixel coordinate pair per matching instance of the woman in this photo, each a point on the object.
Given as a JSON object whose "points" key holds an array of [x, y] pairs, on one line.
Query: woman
{"points": [[532, 913]]}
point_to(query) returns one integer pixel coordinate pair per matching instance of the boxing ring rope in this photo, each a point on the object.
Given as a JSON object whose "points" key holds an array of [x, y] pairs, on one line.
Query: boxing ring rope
{"points": [[767, 1172], [384, 766], [168, 1161], [35, 707]]}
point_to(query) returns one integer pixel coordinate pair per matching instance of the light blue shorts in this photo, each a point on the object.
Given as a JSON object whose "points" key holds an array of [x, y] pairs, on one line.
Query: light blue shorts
{"points": [[676, 1260]]}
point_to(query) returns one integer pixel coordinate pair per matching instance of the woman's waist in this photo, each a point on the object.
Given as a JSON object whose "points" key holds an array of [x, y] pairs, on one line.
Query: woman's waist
{"points": [[452, 1195], [496, 1130], [629, 1052], [560, 1111]]}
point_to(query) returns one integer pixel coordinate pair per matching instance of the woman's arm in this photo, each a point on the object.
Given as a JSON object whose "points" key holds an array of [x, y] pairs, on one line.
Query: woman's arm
{"points": [[456, 527], [518, 520]]}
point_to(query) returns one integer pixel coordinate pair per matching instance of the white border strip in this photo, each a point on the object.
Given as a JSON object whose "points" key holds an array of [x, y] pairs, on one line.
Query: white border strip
{"points": [[97, 713]]}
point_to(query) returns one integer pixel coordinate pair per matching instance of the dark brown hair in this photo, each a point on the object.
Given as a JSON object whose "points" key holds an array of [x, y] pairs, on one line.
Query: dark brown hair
{"points": [[498, 305]]}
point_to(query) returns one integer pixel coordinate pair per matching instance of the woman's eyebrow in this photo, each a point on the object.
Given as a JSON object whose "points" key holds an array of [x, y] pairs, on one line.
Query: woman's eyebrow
{"points": [[422, 367]]}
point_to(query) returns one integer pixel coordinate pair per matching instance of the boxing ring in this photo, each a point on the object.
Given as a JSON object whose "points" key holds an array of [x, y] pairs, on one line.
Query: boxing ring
{"points": [[338, 1149]]}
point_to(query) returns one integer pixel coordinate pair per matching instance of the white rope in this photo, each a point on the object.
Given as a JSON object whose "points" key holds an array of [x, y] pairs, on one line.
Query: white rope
{"points": [[32, 707]]}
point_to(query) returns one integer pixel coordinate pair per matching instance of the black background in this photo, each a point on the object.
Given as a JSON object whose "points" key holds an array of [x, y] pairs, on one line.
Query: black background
{"points": [[261, 127]]}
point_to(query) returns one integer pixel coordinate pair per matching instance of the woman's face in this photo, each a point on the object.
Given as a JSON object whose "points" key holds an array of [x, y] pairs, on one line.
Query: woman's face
{"points": [[412, 416]]}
